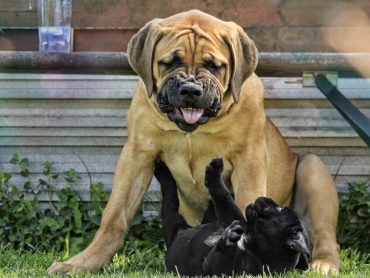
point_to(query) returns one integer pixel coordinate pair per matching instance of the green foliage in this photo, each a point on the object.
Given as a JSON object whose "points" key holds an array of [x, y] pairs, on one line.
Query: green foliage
{"points": [[26, 222], [69, 224], [354, 214], [143, 247]]}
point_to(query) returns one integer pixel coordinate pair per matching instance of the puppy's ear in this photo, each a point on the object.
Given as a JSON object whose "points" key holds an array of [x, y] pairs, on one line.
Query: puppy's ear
{"points": [[244, 58], [140, 52], [298, 242]]}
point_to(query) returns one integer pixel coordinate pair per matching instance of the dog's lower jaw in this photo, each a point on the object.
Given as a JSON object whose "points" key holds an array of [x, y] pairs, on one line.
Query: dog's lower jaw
{"points": [[178, 119], [181, 124]]}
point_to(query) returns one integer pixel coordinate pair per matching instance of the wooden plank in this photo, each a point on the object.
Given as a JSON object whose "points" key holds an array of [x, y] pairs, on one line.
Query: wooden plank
{"points": [[318, 132], [8, 151], [64, 157], [31, 93], [344, 165], [127, 93], [269, 82], [63, 132], [341, 151], [64, 103], [62, 141], [308, 113], [62, 122], [292, 119], [325, 142], [122, 132], [312, 93], [310, 103], [63, 112]]}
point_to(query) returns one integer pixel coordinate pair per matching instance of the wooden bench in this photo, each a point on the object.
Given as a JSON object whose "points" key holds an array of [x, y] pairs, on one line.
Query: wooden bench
{"points": [[76, 119]]}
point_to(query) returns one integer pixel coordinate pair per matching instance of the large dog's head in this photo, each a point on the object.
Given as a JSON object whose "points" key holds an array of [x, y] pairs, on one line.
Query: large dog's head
{"points": [[191, 61]]}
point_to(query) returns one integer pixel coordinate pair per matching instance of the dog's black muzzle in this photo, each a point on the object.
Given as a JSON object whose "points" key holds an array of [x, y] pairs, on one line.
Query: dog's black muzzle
{"points": [[188, 101]]}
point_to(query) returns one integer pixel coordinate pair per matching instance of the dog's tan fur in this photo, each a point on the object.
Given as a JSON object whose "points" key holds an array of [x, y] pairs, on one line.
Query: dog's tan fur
{"points": [[257, 160]]}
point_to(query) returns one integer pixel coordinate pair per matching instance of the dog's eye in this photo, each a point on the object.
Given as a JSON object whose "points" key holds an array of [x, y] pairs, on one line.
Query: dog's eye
{"points": [[174, 63], [211, 66]]}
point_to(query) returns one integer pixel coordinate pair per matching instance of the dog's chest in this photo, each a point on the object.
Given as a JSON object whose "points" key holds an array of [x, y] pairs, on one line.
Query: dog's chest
{"points": [[187, 161]]}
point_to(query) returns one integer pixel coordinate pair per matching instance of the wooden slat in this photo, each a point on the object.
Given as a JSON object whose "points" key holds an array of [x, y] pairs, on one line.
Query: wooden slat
{"points": [[6, 152], [62, 122], [33, 93], [310, 103], [62, 112], [83, 132], [31, 104], [62, 132], [342, 151], [60, 118], [62, 141]]}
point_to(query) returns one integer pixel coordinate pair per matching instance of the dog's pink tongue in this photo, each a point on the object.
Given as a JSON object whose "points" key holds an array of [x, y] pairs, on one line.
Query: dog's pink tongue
{"points": [[191, 116]]}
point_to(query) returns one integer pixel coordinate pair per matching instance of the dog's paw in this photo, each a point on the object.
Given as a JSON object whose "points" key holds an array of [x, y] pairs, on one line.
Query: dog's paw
{"points": [[324, 267], [232, 233], [65, 268]]}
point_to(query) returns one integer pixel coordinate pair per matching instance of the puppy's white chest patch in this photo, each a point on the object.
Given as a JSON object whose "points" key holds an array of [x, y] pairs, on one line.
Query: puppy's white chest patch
{"points": [[212, 240]]}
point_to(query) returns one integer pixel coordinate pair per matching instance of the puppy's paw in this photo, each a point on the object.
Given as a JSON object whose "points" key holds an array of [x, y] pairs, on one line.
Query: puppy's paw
{"points": [[214, 171], [232, 233], [216, 166], [324, 267]]}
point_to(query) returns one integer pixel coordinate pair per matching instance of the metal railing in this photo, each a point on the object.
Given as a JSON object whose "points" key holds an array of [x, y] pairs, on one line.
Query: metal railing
{"points": [[270, 63]]}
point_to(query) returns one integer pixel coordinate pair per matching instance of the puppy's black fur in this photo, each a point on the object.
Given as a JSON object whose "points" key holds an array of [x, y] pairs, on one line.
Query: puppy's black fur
{"points": [[269, 237]]}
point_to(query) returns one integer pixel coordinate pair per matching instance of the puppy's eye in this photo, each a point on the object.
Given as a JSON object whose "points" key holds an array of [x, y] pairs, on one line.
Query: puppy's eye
{"points": [[211, 66]]}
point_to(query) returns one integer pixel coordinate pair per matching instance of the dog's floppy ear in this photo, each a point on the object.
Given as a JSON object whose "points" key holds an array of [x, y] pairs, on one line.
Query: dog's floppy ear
{"points": [[244, 57], [140, 52], [298, 242]]}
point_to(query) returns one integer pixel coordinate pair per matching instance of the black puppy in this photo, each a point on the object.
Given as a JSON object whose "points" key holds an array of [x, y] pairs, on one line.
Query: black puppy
{"points": [[270, 238]]}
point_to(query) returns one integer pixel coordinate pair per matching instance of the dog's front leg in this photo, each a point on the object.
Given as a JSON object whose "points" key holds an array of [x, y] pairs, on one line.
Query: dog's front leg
{"points": [[249, 177], [133, 173]]}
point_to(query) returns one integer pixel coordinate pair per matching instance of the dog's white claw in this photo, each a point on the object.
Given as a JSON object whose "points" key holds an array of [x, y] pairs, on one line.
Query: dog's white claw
{"points": [[58, 267], [323, 267]]}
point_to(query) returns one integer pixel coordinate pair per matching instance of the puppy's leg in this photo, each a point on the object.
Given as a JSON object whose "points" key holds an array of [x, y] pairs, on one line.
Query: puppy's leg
{"points": [[221, 259], [230, 256], [317, 201], [209, 214], [224, 205], [172, 221]]}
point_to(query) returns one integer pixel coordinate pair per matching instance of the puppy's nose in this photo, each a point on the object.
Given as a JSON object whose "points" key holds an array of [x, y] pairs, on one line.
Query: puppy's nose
{"points": [[191, 90]]}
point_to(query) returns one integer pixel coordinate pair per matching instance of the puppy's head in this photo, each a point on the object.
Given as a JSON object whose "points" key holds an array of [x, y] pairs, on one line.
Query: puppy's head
{"points": [[191, 62], [274, 227]]}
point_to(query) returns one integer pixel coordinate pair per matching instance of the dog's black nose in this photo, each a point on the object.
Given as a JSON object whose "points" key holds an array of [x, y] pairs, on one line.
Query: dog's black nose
{"points": [[190, 90]]}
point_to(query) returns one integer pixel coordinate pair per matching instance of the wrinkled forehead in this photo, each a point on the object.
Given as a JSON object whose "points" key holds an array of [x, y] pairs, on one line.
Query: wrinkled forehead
{"points": [[192, 42]]}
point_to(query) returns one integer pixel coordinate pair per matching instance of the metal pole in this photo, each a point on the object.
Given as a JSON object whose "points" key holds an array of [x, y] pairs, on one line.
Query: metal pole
{"points": [[270, 64], [359, 122]]}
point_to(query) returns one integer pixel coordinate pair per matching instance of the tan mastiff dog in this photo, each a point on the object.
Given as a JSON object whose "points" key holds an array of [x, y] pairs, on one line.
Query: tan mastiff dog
{"points": [[198, 98]]}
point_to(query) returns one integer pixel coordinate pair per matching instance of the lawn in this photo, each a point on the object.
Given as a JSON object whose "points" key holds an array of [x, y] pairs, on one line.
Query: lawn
{"points": [[144, 263]]}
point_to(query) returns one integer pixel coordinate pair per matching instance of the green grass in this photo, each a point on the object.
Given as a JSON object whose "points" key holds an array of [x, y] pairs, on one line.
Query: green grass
{"points": [[145, 263]]}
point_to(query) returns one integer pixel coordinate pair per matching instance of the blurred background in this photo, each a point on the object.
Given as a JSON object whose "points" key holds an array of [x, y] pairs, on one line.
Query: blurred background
{"points": [[275, 25]]}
